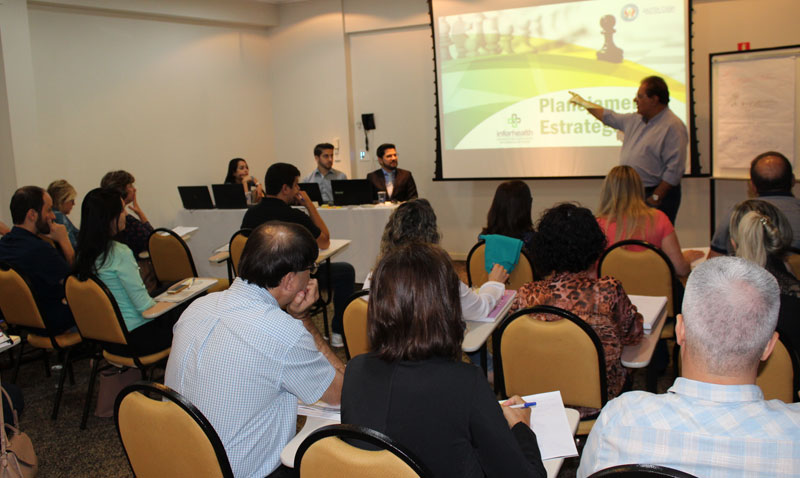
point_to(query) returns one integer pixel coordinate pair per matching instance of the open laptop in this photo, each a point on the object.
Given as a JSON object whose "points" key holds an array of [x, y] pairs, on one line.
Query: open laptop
{"points": [[229, 196], [312, 189], [347, 192], [195, 197]]}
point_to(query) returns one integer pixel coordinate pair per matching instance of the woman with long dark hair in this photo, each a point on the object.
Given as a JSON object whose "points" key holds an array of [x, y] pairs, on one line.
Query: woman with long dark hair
{"points": [[99, 254], [413, 385], [239, 173], [510, 213]]}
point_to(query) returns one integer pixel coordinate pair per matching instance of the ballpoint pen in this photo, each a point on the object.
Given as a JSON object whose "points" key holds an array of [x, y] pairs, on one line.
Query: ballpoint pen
{"points": [[524, 405]]}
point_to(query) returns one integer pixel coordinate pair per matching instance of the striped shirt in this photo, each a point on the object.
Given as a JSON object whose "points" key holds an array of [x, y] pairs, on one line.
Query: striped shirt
{"points": [[244, 363], [704, 429]]}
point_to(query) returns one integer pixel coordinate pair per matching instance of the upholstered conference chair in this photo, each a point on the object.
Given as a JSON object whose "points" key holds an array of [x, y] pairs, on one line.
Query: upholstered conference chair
{"points": [[100, 321], [573, 353], [640, 471], [354, 321], [235, 249], [325, 454], [19, 307], [172, 259], [476, 270], [167, 435]]}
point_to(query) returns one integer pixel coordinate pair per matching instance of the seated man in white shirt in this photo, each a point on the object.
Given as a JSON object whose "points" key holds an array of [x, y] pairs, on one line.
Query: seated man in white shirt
{"points": [[713, 421], [245, 356], [324, 173]]}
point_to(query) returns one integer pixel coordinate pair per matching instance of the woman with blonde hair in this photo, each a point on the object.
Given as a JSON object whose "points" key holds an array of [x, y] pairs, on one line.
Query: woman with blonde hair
{"points": [[761, 233], [624, 214], [63, 195]]}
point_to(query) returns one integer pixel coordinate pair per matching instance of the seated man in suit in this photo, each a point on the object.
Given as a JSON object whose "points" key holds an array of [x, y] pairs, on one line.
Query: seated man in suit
{"points": [[324, 173], [245, 356], [282, 190], [44, 266], [714, 420], [771, 180], [398, 183]]}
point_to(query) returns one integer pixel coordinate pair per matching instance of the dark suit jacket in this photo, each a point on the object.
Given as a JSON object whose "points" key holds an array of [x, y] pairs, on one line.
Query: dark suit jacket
{"points": [[404, 186]]}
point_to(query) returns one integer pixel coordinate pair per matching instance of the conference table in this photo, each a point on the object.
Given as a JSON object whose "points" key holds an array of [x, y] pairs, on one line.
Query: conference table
{"points": [[312, 424], [362, 225]]}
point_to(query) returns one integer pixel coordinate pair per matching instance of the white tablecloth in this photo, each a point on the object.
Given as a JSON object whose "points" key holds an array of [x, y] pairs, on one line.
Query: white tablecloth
{"points": [[362, 225]]}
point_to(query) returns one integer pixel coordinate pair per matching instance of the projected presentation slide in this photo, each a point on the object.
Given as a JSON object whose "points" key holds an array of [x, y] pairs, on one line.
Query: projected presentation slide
{"points": [[505, 76]]}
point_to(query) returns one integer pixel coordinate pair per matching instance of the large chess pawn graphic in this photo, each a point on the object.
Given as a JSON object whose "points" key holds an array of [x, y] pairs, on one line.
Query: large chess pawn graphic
{"points": [[444, 39], [459, 37], [610, 52], [491, 36]]}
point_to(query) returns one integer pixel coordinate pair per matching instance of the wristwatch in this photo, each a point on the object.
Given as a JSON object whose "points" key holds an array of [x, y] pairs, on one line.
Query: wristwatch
{"points": [[655, 197]]}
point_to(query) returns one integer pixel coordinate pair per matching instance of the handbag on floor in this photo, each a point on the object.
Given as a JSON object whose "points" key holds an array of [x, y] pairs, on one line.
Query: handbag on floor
{"points": [[17, 458], [111, 382]]}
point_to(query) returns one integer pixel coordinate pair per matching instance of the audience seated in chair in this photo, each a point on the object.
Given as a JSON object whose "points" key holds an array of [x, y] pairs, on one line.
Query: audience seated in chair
{"points": [[63, 195], [771, 180], [566, 246], [413, 386], [510, 213], [244, 362], [624, 214], [713, 421], [44, 266], [761, 233]]}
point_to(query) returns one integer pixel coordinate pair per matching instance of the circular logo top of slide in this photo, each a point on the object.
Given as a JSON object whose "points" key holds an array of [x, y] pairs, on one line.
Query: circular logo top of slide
{"points": [[629, 12]]}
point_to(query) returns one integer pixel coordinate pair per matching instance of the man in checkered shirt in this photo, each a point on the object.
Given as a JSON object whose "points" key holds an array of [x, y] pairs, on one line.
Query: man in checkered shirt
{"points": [[246, 355], [713, 421]]}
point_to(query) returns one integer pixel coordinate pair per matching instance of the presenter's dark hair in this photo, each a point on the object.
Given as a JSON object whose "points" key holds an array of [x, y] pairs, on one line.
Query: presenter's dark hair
{"points": [[567, 239], [382, 149], [275, 249], [778, 179], [277, 175], [233, 164], [656, 86], [414, 310], [510, 213], [318, 149], [118, 180], [25, 199], [100, 210]]}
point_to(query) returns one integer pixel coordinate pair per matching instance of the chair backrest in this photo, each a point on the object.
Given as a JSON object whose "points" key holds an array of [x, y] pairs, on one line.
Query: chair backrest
{"points": [[793, 259], [642, 272], [354, 321], [637, 471], [778, 375], [476, 268], [96, 312], [235, 248], [325, 454], [167, 436], [172, 260], [573, 354], [17, 302]]}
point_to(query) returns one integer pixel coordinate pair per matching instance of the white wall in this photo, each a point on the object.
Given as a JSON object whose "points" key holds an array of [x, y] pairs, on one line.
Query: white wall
{"points": [[172, 99]]}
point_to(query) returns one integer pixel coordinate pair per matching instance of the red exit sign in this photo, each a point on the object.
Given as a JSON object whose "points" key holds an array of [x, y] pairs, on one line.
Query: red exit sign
{"points": [[743, 45]]}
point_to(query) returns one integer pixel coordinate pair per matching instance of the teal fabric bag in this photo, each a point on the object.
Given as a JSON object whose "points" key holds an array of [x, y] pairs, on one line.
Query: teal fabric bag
{"points": [[501, 250]]}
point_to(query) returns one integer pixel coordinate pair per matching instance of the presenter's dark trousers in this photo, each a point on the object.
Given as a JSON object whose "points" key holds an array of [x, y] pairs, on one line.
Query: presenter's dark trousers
{"points": [[671, 202], [343, 278]]}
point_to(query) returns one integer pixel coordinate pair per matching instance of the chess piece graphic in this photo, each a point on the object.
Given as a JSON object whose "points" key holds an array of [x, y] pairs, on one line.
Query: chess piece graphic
{"points": [[610, 52], [444, 40], [459, 36], [491, 36]]}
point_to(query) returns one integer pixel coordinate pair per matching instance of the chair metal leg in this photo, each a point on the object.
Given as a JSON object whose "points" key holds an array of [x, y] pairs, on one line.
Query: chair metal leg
{"points": [[19, 362], [88, 401], [46, 360], [61, 378], [71, 373]]}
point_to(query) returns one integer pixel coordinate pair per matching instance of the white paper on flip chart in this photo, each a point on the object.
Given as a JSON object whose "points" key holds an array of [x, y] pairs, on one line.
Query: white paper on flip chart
{"points": [[651, 309], [549, 422]]}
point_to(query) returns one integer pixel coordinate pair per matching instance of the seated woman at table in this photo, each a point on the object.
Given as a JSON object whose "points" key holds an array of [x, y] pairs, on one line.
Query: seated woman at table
{"points": [[510, 213], [63, 195], [137, 230], [624, 214], [413, 386], [761, 233], [102, 218], [415, 221], [566, 247], [239, 173]]}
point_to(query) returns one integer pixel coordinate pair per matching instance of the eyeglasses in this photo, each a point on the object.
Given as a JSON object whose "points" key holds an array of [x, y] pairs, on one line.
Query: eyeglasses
{"points": [[313, 268]]}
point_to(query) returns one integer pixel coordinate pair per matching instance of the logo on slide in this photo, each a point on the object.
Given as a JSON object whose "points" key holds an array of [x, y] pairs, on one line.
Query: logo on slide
{"points": [[629, 12], [514, 120]]}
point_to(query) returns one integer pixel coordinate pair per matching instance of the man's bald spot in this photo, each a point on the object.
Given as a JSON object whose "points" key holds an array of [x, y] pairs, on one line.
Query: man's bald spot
{"points": [[771, 172], [771, 167]]}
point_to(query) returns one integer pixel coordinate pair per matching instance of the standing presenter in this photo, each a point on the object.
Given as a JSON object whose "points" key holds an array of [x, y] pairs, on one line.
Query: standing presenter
{"points": [[654, 144]]}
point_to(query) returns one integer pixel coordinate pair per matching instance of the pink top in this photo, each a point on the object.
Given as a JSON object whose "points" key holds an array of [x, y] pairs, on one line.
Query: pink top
{"points": [[654, 233]]}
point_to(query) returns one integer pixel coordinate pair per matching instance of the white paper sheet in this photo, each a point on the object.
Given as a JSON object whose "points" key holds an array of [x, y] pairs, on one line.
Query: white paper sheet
{"points": [[184, 231], [549, 422]]}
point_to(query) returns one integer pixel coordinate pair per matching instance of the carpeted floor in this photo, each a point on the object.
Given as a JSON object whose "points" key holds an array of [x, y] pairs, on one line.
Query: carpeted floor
{"points": [[66, 451]]}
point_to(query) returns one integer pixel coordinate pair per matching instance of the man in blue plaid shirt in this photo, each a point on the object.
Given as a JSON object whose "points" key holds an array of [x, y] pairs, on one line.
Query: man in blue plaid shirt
{"points": [[713, 421]]}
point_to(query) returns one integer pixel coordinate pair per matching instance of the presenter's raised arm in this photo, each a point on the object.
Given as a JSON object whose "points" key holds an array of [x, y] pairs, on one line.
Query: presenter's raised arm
{"points": [[593, 108]]}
